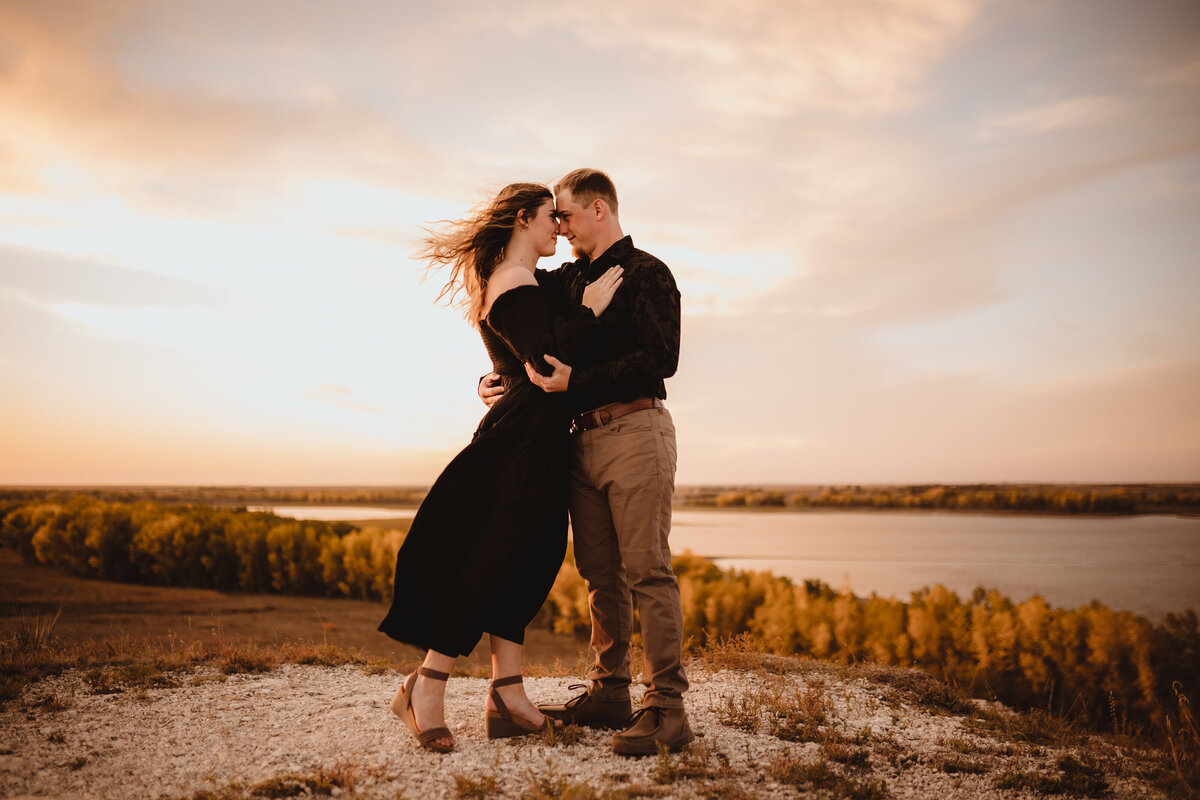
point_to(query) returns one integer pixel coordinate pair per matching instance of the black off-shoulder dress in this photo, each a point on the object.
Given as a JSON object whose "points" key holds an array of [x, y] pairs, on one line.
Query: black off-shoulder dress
{"points": [[489, 538]]}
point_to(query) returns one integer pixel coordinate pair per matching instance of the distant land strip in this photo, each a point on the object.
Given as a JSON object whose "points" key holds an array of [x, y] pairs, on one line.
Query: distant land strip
{"points": [[1038, 498]]}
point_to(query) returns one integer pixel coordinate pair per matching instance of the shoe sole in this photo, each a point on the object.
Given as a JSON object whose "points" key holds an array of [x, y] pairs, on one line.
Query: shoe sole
{"points": [[624, 748], [610, 724]]}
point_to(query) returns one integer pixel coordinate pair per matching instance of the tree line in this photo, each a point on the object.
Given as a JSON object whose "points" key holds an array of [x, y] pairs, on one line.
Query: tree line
{"points": [[1030, 498], [1041, 499], [1113, 668]]}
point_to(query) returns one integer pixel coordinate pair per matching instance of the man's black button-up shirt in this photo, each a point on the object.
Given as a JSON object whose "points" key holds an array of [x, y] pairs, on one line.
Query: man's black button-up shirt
{"points": [[634, 347]]}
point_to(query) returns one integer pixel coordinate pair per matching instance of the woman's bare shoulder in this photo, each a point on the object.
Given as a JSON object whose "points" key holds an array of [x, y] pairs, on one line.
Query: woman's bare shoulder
{"points": [[503, 279]]}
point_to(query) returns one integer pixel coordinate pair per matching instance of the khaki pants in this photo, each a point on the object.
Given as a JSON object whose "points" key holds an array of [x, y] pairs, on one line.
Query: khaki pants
{"points": [[622, 481]]}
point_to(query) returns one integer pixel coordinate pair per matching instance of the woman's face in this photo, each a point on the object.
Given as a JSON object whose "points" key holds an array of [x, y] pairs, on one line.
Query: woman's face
{"points": [[543, 228]]}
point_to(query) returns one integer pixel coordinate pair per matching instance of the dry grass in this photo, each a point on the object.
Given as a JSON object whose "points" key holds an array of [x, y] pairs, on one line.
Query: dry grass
{"points": [[122, 663], [805, 774], [744, 653], [697, 760], [1033, 727], [479, 787], [321, 783], [33, 628], [1074, 777]]}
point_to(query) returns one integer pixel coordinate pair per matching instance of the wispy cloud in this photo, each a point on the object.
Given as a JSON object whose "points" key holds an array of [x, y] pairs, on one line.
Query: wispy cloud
{"points": [[1074, 112]]}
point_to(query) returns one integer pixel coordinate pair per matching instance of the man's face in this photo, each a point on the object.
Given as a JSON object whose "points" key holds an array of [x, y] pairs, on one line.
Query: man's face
{"points": [[576, 223]]}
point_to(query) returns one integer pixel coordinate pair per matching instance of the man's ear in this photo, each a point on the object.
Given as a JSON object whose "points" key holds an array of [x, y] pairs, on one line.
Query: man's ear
{"points": [[600, 208]]}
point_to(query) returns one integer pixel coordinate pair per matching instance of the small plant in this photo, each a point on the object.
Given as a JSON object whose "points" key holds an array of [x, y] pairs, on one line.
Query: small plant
{"points": [[52, 703], [557, 787], [57, 737], [845, 753], [725, 791], [377, 667], [954, 765], [291, 785], [475, 787], [799, 716], [33, 628], [77, 763], [743, 712], [1075, 778], [694, 761], [139, 675], [246, 658], [566, 736], [1183, 742], [803, 774]]}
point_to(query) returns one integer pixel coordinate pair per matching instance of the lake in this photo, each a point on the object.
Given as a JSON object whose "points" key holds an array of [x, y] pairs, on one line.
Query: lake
{"points": [[337, 513], [1146, 564]]}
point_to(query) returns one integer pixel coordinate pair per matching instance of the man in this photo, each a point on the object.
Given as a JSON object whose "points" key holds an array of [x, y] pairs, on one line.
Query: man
{"points": [[623, 470]]}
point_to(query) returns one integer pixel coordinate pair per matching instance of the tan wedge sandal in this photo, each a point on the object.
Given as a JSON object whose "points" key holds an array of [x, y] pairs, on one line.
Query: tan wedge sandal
{"points": [[402, 708], [502, 723]]}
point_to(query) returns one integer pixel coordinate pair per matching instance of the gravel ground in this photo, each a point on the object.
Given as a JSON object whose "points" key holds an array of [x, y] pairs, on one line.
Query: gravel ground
{"points": [[214, 734]]}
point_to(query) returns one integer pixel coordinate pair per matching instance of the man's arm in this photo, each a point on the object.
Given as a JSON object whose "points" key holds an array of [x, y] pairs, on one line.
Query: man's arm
{"points": [[490, 390]]}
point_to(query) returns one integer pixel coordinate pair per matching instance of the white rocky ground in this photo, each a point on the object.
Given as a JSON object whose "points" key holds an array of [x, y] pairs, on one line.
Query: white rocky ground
{"points": [[228, 736]]}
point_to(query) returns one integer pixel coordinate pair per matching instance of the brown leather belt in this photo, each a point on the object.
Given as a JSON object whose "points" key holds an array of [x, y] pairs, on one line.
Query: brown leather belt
{"points": [[606, 414]]}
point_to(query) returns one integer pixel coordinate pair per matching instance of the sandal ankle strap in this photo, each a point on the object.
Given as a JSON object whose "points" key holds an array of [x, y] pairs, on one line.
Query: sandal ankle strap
{"points": [[509, 681], [433, 673]]}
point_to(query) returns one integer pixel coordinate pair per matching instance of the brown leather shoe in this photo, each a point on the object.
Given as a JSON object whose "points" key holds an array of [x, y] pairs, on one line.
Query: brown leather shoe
{"points": [[650, 727], [584, 709]]}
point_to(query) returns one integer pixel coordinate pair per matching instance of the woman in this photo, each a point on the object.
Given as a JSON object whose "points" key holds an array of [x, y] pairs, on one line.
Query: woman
{"points": [[485, 546]]}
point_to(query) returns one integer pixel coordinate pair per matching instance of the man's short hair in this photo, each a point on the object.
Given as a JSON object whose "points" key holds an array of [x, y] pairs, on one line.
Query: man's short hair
{"points": [[585, 185]]}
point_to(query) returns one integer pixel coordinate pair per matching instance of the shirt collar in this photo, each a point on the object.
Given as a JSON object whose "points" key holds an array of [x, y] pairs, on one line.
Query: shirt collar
{"points": [[610, 257]]}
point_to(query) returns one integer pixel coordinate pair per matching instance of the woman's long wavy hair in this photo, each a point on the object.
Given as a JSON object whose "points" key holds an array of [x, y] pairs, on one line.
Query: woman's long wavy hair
{"points": [[472, 247]]}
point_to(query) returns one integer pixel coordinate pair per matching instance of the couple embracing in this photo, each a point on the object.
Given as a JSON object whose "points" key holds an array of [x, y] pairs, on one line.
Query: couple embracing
{"points": [[575, 420]]}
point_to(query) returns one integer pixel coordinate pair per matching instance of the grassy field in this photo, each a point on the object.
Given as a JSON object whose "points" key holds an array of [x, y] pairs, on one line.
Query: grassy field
{"points": [[95, 610]]}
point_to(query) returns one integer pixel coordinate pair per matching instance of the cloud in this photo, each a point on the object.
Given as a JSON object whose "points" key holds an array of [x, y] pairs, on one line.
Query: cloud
{"points": [[68, 101], [340, 396], [770, 59], [52, 278], [1184, 73], [1076, 112]]}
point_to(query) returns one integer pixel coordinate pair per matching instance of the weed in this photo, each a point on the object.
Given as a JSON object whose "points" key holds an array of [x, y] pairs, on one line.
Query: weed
{"points": [[566, 736], [1032, 727], [557, 787], [33, 628], [800, 773], [378, 667], [139, 675], [200, 680], [953, 765], [57, 737], [743, 712], [799, 716], [77, 763], [246, 658], [694, 761], [231, 792], [1075, 778], [475, 787], [343, 774], [844, 753], [291, 785], [725, 791], [1183, 745], [921, 689], [325, 655], [52, 703]]}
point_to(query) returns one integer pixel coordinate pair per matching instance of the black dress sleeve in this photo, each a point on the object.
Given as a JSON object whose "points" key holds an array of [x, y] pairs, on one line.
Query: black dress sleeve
{"points": [[525, 320]]}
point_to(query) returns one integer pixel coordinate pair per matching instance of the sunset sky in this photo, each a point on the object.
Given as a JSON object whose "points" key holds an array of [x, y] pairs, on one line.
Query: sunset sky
{"points": [[916, 241]]}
